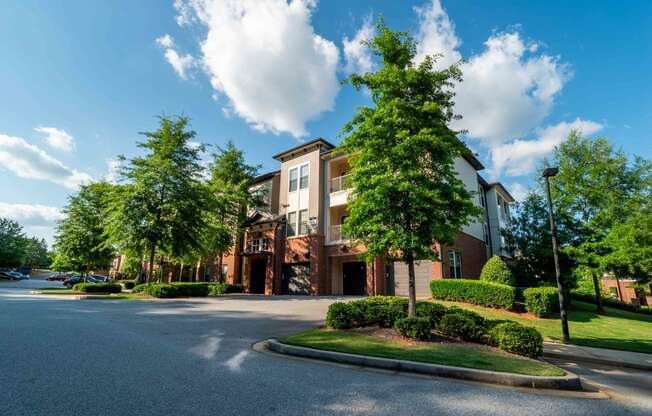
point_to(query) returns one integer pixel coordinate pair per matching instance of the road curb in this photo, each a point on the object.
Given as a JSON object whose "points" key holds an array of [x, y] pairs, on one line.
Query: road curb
{"points": [[600, 361], [568, 382]]}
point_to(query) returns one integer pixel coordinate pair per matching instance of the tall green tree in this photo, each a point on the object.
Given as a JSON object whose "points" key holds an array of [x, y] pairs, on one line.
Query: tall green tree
{"points": [[36, 253], [528, 237], [594, 187], [229, 185], [80, 240], [406, 195], [12, 243], [160, 207]]}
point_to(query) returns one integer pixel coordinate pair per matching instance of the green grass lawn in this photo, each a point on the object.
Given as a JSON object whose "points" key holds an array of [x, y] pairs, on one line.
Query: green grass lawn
{"points": [[353, 343], [617, 329]]}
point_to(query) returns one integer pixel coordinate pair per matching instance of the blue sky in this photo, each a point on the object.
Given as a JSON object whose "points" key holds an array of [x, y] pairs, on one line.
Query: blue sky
{"points": [[80, 79]]}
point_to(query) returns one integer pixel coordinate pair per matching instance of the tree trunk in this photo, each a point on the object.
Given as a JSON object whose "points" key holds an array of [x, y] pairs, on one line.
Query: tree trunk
{"points": [[412, 295], [197, 270], [181, 272], [150, 269], [598, 292], [160, 269]]}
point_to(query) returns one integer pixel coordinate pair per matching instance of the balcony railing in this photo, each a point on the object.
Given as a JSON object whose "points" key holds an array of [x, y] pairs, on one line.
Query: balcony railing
{"points": [[335, 233], [338, 184]]}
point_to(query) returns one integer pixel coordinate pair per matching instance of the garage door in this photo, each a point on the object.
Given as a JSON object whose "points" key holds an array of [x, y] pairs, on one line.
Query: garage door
{"points": [[296, 279], [422, 278]]}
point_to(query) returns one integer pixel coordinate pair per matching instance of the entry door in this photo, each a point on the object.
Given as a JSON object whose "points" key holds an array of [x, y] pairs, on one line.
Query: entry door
{"points": [[257, 276], [354, 278], [296, 279]]}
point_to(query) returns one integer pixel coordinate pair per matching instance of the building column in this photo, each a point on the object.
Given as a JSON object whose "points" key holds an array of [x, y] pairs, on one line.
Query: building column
{"points": [[317, 265]]}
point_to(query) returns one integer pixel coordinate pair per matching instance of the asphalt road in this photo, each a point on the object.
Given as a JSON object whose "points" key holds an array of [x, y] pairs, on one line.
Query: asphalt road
{"points": [[97, 357]]}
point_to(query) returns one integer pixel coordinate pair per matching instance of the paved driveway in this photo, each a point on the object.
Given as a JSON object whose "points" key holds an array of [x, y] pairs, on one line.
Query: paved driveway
{"points": [[95, 357]]}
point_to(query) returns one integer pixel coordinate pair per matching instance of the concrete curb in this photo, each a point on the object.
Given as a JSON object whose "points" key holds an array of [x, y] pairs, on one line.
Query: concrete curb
{"points": [[568, 382], [599, 361]]}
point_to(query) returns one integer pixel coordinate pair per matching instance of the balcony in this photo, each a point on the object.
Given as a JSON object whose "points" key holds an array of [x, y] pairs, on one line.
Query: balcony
{"points": [[339, 184], [339, 191], [335, 233]]}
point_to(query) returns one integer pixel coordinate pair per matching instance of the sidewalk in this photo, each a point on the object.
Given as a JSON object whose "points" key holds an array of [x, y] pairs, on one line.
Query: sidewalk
{"points": [[603, 356]]}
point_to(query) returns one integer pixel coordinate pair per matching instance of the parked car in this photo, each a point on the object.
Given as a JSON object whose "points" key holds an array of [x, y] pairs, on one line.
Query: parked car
{"points": [[17, 276], [5, 275], [100, 279], [78, 278], [58, 277]]}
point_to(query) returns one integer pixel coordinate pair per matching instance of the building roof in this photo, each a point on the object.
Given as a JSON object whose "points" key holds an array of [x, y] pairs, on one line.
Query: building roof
{"points": [[304, 148], [265, 176], [503, 190]]}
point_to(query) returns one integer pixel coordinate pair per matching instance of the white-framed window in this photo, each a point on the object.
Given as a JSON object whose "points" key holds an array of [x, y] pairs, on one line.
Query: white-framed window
{"points": [[481, 195], [455, 264], [294, 181], [304, 176], [303, 222], [291, 225], [255, 245]]}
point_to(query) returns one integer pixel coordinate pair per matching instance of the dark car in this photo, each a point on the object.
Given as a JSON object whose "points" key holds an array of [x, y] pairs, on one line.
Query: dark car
{"points": [[78, 278], [58, 277], [17, 276], [5, 275]]}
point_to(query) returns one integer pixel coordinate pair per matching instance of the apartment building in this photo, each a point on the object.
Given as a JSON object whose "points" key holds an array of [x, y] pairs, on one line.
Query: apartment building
{"points": [[296, 244]]}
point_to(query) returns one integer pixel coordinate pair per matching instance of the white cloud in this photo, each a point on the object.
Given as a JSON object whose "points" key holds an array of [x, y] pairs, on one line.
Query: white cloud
{"points": [[180, 63], [518, 191], [113, 171], [29, 161], [266, 58], [520, 157], [357, 56], [57, 138], [436, 35], [508, 88], [31, 214]]}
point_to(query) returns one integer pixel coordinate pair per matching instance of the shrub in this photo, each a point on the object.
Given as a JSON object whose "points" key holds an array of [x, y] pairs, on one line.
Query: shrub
{"points": [[432, 311], [459, 325], [612, 303], [414, 328], [217, 289], [342, 315], [519, 339], [128, 284], [161, 290], [495, 270], [541, 301], [187, 289], [234, 288], [474, 291], [381, 310], [97, 287], [475, 317], [141, 287]]}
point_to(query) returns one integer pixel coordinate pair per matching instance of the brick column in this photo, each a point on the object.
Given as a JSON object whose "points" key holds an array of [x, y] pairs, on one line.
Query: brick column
{"points": [[317, 265]]}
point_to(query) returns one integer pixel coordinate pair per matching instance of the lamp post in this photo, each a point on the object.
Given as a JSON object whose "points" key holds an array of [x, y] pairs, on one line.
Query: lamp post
{"points": [[547, 173]]}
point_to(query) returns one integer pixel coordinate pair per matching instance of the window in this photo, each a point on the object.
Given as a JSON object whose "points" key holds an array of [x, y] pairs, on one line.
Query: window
{"points": [[291, 224], [303, 222], [303, 181], [264, 244], [455, 264], [293, 179], [486, 232], [255, 245], [481, 195], [259, 244]]}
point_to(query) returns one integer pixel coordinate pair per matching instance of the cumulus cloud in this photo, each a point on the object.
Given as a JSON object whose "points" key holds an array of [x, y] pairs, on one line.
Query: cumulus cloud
{"points": [[31, 214], [436, 35], [57, 138], [518, 191], [266, 58], [520, 157], [113, 171], [180, 63], [357, 56], [29, 161]]}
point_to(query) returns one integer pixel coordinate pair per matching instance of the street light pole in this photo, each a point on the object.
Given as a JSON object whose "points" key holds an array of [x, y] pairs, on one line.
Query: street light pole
{"points": [[547, 173]]}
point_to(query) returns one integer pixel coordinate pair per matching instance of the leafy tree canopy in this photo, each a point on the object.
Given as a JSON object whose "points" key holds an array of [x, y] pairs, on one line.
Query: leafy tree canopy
{"points": [[12, 243]]}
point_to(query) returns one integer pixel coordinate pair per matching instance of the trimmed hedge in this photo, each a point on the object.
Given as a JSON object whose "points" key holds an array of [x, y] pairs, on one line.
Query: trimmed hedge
{"points": [[479, 292], [342, 315], [97, 287], [431, 311], [222, 288], [172, 290], [541, 301], [380, 310], [460, 325], [518, 339], [128, 284], [497, 271], [414, 328]]}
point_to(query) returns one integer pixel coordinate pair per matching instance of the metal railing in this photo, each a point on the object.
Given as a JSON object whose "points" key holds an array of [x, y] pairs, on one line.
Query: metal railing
{"points": [[338, 184], [335, 233]]}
